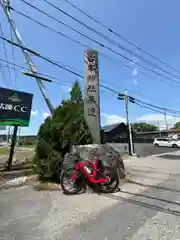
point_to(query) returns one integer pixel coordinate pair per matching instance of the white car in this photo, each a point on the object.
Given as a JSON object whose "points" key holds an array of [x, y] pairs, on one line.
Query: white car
{"points": [[166, 142]]}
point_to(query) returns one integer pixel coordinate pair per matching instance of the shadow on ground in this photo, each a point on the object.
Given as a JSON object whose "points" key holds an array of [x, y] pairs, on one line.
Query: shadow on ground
{"points": [[170, 157]]}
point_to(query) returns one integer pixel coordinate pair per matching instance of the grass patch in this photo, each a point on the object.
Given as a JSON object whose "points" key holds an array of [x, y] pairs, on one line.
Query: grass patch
{"points": [[20, 166], [28, 146], [4, 150]]}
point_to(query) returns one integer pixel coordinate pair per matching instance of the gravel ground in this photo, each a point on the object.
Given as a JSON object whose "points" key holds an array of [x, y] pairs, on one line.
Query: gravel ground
{"points": [[148, 210]]}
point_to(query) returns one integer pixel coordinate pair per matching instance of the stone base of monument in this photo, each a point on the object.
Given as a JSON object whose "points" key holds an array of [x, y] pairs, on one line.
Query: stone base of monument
{"points": [[105, 153]]}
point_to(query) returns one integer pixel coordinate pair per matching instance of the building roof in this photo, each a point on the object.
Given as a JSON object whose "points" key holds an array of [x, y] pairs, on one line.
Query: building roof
{"points": [[109, 128], [157, 131]]}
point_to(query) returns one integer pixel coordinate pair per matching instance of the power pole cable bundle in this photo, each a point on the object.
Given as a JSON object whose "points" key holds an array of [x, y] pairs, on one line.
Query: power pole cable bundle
{"points": [[120, 36], [134, 54], [101, 53], [66, 68], [23, 68], [157, 107], [7, 7], [100, 44]]}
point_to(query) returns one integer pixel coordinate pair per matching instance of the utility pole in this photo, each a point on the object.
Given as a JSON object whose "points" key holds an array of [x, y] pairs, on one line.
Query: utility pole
{"points": [[128, 123], [7, 7], [127, 99], [18, 138], [166, 122], [158, 123], [13, 144], [8, 134]]}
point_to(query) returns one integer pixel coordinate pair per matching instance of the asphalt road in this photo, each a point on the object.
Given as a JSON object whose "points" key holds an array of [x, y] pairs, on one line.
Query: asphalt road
{"points": [[148, 210], [143, 149]]}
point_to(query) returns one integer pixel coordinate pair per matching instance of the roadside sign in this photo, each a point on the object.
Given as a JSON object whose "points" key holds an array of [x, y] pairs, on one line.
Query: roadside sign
{"points": [[2, 127], [15, 107]]}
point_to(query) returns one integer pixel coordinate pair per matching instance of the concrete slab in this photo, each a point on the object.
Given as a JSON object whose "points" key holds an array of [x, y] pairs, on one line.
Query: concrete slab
{"points": [[146, 209]]}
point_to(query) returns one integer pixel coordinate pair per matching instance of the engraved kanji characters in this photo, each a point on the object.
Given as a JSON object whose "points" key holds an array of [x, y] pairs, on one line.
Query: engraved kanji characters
{"points": [[92, 111]]}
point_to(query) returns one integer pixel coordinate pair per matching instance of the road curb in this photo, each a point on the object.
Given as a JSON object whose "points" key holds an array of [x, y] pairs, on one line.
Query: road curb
{"points": [[162, 154], [46, 186], [131, 157], [18, 182]]}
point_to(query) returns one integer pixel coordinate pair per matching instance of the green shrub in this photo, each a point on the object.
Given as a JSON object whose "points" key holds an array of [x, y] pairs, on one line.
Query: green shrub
{"points": [[46, 161], [58, 133]]}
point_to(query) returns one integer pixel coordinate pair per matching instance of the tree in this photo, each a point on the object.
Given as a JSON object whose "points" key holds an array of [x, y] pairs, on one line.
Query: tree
{"points": [[75, 93], [58, 133], [143, 127], [177, 125]]}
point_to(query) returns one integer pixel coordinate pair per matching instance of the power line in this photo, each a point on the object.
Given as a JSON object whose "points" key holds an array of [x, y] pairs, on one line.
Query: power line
{"points": [[134, 100], [81, 76], [44, 58], [51, 77], [144, 73], [120, 36], [24, 68], [155, 106], [95, 41], [86, 46], [52, 62], [49, 28], [105, 37], [7, 10], [155, 110], [2, 72], [56, 64], [13, 56], [5, 52]]}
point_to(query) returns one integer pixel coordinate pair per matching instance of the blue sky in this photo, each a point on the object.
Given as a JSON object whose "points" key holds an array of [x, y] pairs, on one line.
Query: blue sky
{"points": [[152, 25]]}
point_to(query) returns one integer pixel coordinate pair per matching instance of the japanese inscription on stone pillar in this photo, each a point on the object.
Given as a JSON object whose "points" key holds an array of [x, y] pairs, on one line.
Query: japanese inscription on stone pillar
{"points": [[91, 94]]}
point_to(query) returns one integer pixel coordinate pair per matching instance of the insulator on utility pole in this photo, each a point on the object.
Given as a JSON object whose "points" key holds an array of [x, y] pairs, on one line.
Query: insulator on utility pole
{"points": [[7, 8], [121, 96]]}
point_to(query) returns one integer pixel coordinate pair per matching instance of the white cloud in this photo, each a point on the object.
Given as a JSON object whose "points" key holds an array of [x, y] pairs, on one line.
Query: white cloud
{"points": [[45, 115], [135, 81], [151, 117], [135, 72], [69, 89], [34, 113], [66, 88], [111, 119], [158, 119], [155, 119]]}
